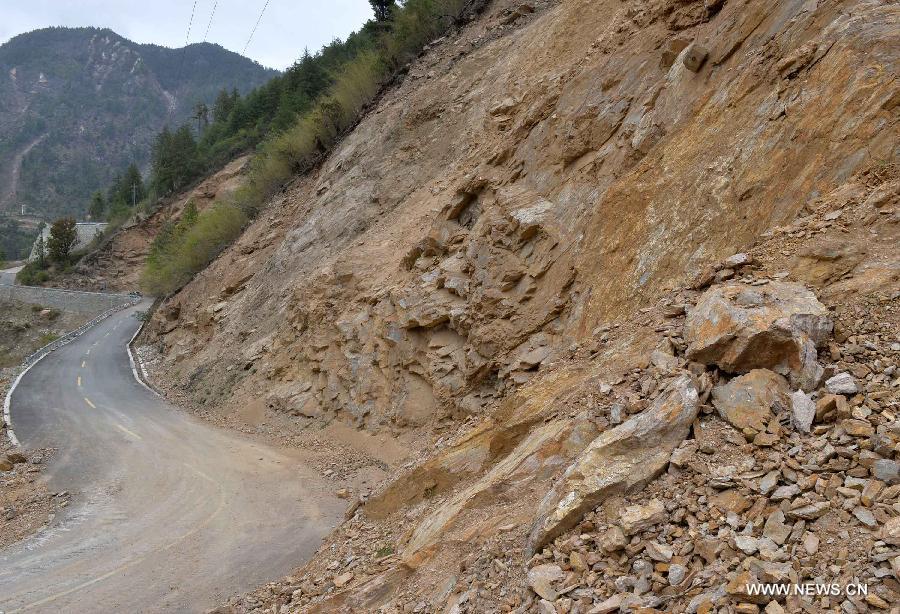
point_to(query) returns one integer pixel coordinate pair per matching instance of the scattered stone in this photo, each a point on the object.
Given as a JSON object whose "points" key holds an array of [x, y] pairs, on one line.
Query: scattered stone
{"points": [[803, 411], [542, 578], [747, 401], [738, 328], [343, 579], [659, 552], [746, 544], [677, 574], [831, 407], [865, 516], [809, 512], [613, 539], [776, 529], [810, 542], [610, 605], [842, 383], [694, 57], [637, 518], [857, 428], [890, 532], [887, 471], [773, 607], [788, 491], [683, 454], [738, 260]]}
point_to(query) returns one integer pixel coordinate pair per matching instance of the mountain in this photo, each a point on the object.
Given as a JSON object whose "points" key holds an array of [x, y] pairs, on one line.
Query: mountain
{"points": [[77, 105]]}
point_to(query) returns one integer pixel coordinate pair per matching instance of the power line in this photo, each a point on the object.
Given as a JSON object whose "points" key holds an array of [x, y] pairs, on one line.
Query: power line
{"points": [[190, 23], [256, 26], [184, 49], [211, 15]]}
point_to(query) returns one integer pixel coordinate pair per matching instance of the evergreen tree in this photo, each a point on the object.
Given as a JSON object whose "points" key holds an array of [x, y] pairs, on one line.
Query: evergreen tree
{"points": [[40, 248], [201, 114], [132, 186], [383, 9], [175, 160], [97, 208], [63, 236], [222, 107]]}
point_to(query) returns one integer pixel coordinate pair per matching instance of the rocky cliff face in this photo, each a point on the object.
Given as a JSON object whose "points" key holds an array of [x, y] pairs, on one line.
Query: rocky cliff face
{"points": [[499, 259]]}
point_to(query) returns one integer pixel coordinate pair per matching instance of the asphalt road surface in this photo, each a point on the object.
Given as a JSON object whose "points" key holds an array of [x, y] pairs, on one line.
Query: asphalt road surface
{"points": [[168, 514], [8, 276]]}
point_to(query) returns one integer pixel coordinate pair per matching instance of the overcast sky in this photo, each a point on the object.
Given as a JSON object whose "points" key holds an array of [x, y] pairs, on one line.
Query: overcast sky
{"points": [[287, 26]]}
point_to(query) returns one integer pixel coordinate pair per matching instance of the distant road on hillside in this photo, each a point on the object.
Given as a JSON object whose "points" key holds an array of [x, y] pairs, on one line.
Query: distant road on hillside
{"points": [[8, 276]]}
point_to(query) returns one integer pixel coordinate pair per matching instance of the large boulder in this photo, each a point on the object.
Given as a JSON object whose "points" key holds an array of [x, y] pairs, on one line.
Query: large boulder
{"points": [[750, 401], [618, 461], [778, 326]]}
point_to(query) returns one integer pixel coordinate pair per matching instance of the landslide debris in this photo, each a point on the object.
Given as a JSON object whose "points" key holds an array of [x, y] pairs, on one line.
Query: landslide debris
{"points": [[566, 229]]}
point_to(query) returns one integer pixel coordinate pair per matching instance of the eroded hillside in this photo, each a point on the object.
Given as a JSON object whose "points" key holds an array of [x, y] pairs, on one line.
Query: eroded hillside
{"points": [[495, 266], [116, 264]]}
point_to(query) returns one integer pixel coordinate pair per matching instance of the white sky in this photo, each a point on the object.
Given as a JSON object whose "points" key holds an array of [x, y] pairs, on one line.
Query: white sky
{"points": [[287, 26]]}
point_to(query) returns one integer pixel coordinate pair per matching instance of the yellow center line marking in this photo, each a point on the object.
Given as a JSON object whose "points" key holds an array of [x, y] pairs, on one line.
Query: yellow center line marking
{"points": [[79, 381], [125, 430], [88, 401]]}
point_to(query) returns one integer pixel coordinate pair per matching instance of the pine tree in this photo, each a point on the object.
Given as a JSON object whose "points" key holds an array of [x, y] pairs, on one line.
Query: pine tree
{"points": [[63, 236], [175, 160], [97, 208], [222, 107], [383, 9], [201, 114], [132, 186]]}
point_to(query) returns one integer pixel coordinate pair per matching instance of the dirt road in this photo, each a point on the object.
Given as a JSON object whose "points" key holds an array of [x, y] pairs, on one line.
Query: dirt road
{"points": [[169, 514]]}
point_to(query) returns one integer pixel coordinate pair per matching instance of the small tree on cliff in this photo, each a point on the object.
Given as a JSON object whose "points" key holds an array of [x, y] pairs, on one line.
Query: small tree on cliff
{"points": [[382, 9], [63, 237]]}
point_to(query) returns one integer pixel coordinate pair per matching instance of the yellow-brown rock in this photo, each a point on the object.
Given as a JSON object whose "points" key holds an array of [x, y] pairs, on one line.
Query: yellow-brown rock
{"points": [[778, 326], [623, 458], [750, 401]]}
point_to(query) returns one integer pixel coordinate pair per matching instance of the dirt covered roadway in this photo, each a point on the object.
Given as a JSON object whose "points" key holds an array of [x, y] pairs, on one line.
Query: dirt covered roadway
{"points": [[167, 514]]}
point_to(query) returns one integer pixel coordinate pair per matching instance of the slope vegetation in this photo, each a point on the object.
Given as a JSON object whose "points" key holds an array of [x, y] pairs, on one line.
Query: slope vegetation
{"points": [[485, 267]]}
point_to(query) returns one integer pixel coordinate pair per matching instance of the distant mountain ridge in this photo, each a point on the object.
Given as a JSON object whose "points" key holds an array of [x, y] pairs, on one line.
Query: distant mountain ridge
{"points": [[77, 105]]}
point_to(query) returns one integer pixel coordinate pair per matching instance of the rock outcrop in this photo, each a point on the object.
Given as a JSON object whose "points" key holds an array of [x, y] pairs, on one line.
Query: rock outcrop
{"points": [[618, 461]]}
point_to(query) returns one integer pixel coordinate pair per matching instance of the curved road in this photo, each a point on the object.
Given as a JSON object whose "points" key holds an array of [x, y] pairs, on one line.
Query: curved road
{"points": [[168, 513]]}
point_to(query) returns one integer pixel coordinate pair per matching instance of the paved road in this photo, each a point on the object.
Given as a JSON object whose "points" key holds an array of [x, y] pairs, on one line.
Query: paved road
{"points": [[8, 276], [169, 514]]}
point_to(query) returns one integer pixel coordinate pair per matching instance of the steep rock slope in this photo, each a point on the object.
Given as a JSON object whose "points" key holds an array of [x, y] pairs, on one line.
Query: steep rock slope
{"points": [[504, 247], [77, 105], [525, 185]]}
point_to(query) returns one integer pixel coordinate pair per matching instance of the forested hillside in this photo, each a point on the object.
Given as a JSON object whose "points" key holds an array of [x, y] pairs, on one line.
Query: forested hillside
{"points": [[78, 106]]}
